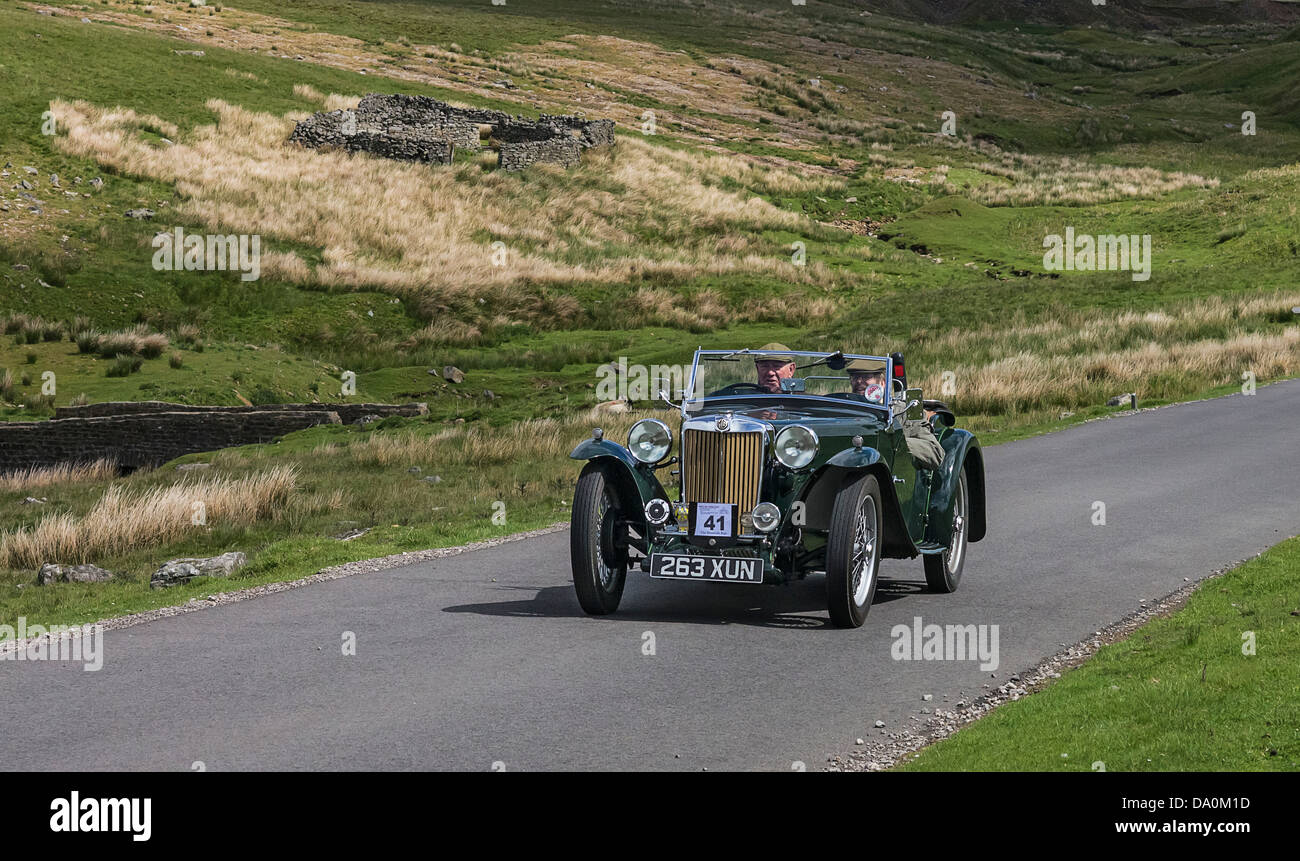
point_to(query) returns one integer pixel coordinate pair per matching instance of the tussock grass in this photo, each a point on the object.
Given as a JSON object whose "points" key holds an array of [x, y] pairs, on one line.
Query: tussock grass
{"points": [[123, 520], [535, 441], [642, 212], [136, 341], [1037, 180], [1078, 358], [45, 476]]}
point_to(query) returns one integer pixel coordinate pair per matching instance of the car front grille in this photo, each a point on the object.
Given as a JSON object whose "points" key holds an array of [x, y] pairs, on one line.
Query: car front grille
{"points": [[722, 467]]}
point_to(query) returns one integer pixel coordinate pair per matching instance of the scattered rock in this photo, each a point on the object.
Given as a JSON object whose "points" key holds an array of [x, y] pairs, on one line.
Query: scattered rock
{"points": [[31, 500], [141, 214], [21, 267], [192, 467], [453, 374], [927, 697], [350, 534], [51, 573], [432, 479], [97, 182], [188, 53], [1119, 400], [178, 571], [33, 171], [25, 184], [415, 470], [879, 724], [489, 394], [612, 407], [367, 419]]}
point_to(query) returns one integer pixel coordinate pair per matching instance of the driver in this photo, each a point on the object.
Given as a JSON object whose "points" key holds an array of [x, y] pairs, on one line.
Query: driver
{"points": [[773, 363]]}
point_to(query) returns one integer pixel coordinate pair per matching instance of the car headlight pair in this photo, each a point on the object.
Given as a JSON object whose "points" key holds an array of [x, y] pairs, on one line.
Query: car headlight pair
{"points": [[650, 441]]}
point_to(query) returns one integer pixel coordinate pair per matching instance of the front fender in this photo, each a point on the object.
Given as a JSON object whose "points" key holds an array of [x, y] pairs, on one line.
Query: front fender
{"points": [[961, 450], [636, 483], [819, 496]]}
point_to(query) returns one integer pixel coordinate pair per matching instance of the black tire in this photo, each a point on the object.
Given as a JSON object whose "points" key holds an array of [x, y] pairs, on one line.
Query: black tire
{"points": [[943, 570], [848, 563], [599, 568]]}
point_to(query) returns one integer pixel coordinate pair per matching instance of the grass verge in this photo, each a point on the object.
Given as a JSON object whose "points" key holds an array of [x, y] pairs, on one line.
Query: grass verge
{"points": [[1212, 687]]}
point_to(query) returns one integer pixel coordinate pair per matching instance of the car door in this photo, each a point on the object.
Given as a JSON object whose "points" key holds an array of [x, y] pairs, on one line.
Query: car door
{"points": [[911, 498]]}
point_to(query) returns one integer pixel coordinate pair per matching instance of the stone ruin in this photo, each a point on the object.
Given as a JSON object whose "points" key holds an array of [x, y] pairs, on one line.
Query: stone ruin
{"points": [[419, 128]]}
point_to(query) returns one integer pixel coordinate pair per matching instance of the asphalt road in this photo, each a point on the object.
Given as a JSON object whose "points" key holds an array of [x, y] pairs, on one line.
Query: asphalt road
{"points": [[485, 657]]}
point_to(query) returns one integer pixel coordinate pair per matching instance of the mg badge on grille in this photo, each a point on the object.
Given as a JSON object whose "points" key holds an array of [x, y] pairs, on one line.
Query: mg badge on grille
{"points": [[723, 423]]}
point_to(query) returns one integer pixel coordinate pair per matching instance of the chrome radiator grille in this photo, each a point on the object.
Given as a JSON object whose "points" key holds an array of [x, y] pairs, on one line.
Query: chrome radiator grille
{"points": [[722, 467]]}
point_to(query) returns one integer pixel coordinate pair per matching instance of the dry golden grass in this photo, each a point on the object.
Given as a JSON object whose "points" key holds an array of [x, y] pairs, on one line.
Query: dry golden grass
{"points": [[122, 520], [531, 441], [1076, 358], [424, 232], [45, 476], [1048, 180]]}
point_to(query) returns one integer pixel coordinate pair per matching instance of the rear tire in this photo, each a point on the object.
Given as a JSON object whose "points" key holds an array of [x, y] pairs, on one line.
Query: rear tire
{"points": [[943, 570], [599, 567], [853, 551]]}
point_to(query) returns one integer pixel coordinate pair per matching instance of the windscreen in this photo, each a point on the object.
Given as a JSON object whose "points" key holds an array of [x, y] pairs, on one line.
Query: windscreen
{"points": [[860, 378]]}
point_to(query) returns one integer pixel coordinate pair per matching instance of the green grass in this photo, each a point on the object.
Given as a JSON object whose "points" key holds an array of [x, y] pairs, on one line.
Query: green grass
{"points": [[271, 340], [1179, 694]]}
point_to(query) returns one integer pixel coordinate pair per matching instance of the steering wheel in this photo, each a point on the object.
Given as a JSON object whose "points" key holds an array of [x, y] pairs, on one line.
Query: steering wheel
{"points": [[737, 388]]}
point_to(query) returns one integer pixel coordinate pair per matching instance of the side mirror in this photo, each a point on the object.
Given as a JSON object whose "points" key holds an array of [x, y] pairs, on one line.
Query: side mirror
{"points": [[907, 410]]}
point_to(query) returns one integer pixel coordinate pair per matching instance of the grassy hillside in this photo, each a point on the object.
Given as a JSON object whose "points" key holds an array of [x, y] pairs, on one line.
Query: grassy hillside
{"points": [[775, 129]]}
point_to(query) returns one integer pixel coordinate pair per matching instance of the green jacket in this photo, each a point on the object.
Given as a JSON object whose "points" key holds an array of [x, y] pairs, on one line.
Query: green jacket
{"points": [[923, 444]]}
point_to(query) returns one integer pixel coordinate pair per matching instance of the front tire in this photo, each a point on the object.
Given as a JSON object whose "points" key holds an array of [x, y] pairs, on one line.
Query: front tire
{"points": [[599, 564], [853, 551], [943, 570]]}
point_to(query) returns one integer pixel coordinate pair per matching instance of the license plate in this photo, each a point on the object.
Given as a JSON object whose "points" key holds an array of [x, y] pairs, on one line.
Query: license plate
{"points": [[725, 569]]}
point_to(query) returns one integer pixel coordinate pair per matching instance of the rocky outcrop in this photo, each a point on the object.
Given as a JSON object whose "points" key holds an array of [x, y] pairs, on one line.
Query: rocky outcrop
{"points": [[51, 573], [178, 571], [419, 128]]}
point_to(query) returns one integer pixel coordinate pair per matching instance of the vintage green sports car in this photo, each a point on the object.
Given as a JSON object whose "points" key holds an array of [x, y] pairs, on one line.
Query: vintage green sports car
{"points": [[789, 464]]}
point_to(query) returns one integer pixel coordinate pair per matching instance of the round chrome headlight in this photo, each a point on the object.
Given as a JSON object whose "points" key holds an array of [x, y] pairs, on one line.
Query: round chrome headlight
{"points": [[796, 446], [650, 440], [657, 510], [766, 517]]}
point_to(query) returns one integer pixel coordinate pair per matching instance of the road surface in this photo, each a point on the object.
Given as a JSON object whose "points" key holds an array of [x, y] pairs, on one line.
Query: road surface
{"points": [[485, 658]]}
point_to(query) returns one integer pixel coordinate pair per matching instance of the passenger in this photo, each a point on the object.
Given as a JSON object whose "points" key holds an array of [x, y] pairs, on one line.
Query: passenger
{"points": [[867, 378]]}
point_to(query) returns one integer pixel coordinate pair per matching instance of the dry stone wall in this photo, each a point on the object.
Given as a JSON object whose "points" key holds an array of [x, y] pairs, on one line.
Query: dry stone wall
{"points": [[136, 435], [419, 128]]}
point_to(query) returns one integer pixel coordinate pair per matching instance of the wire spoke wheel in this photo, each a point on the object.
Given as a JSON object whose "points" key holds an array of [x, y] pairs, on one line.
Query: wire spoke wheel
{"points": [[853, 550], [597, 550], [943, 570]]}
